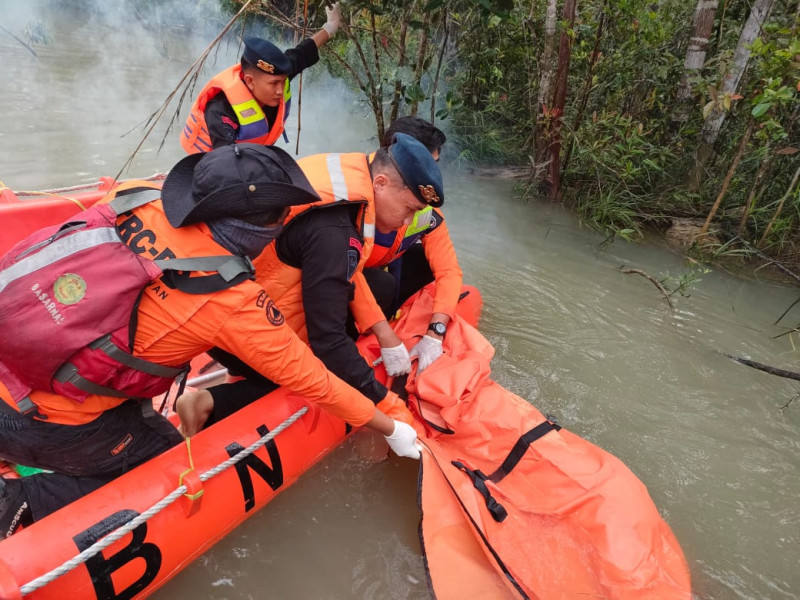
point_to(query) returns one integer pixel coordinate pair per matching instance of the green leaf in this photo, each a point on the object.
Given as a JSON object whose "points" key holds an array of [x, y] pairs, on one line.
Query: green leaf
{"points": [[760, 109]]}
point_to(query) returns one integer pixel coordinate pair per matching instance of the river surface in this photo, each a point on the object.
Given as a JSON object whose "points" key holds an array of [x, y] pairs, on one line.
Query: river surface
{"points": [[596, 348]]}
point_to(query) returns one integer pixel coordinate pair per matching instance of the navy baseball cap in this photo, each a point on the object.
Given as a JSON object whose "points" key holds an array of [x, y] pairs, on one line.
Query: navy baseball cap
{"points": [[419, 170], [266, 56]]}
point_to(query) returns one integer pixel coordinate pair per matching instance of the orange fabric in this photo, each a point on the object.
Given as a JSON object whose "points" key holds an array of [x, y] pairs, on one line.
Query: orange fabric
{"points": [[394, 408], [283, 280], [579, 523], [173, 327], [228, 82]]}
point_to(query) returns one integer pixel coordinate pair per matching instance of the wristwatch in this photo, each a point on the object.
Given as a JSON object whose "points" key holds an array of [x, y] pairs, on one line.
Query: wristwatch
{"points": [[438, 328]]}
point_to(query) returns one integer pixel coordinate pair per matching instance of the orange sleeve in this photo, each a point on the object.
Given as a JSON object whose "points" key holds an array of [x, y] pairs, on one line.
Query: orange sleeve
{"points": [[442, 259], [364, 307], [256, 333]]}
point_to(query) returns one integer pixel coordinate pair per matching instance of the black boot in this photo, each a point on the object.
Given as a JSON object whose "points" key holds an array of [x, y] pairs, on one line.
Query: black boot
{"points": [[15, 510]]}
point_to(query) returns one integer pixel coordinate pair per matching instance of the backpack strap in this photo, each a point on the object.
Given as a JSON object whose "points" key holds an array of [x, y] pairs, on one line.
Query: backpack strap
{"points": [[136, 198]]}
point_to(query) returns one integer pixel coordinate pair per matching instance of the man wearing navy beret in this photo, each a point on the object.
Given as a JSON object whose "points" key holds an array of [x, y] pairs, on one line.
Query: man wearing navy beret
{"points": [[249, 102], [314, 269]]}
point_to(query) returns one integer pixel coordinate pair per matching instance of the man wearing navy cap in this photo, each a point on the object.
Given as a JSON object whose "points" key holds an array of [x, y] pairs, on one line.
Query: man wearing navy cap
{"points": [[249, 102], [313, 270]]}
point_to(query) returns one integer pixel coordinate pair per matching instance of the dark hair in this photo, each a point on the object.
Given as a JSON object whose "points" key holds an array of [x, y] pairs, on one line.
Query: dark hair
{"points": [[428, 135], [382, 160]]}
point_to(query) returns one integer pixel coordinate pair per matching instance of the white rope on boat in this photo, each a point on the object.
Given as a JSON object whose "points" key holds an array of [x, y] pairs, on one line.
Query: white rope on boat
{"points": [[82, 186], [104, 543]]}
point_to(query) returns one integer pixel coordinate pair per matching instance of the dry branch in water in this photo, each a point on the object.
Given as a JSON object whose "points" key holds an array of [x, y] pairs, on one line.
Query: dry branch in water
{"points": [[766, 368], [654, 281]]}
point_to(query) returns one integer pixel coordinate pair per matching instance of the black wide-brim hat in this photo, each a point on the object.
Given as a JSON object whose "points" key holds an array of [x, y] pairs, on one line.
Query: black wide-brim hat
{"points": [[240, 180]]}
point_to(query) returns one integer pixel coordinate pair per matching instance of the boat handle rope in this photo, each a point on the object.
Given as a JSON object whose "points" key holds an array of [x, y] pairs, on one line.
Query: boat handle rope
{"points": [[104, 543]]}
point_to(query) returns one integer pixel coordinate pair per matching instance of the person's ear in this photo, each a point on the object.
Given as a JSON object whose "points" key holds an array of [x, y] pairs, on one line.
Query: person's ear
{"points": [[380, 181], [248, 81]]}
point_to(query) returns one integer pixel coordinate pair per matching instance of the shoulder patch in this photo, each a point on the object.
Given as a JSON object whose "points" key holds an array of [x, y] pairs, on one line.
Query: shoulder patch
{"points": [[356, 243], [274, 315], [352, 262], [231, 122]]}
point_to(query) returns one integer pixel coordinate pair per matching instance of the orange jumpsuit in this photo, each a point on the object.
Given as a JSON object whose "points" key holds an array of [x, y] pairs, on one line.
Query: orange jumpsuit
{"points": [[173, 327]]}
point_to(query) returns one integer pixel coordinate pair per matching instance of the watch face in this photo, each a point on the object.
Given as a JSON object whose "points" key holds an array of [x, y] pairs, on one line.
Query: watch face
{"points": [[438, 328]]}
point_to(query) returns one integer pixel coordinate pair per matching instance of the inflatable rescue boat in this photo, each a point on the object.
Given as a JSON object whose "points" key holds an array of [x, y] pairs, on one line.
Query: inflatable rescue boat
{"points": [[513, 506]]}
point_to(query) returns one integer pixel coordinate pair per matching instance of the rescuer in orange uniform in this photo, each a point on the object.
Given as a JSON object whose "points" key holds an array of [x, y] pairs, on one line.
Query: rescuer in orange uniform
{"points": [[230, 201], [314, 269], [249, 102], [405, 260]]}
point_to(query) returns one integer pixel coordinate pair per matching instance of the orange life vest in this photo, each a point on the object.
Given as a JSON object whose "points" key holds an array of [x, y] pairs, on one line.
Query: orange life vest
{"points": [[392, 245], [253, 124], [336, 178]]}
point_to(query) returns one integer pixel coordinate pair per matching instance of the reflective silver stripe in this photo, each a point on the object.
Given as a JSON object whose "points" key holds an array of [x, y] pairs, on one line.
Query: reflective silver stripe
{"points": [[337, 177], [369, 230], [82, 240]]}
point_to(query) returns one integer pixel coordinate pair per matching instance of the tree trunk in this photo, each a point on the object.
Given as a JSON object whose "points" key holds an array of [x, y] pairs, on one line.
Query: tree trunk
{"points": [[747, 208], [729, 176], [695, 55], [559, 101], [547, 68], [420, 66], [730, 83], [587, 82]]}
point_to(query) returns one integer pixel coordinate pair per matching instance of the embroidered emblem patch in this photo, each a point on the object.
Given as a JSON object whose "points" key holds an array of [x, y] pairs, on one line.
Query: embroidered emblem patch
{"points": [[274, 315], [262, 299], [248, 112], [231, 122], [352, 262], [265, 66], [69, 288], [355, 243]]}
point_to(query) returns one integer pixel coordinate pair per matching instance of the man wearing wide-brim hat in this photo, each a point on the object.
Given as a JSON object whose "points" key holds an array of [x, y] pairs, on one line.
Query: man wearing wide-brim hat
{"points": [[230, 202], [250, 102], [314, 269]]}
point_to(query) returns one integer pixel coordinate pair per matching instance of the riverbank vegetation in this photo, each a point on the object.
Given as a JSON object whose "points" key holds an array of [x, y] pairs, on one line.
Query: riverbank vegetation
{"points": [[635, 113]]}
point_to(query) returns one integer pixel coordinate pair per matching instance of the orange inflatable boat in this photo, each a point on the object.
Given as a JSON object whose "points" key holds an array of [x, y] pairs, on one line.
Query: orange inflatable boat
{"points": [[512, 505]]}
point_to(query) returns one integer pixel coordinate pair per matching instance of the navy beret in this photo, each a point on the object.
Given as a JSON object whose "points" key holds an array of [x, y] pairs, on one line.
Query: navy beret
{"points": [[266, 56], [418, 169]]}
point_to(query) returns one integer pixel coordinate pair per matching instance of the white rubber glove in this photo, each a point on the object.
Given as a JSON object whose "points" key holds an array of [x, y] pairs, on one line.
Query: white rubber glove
{"points": [[404, 440], [427, 350], [396, 360], [334, 15]]}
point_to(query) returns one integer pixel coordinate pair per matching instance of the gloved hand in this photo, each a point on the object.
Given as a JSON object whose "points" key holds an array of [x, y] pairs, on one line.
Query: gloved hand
{"points": [[334, 15], [396, 360], [427, 350], [404, 440], [394, 408]]}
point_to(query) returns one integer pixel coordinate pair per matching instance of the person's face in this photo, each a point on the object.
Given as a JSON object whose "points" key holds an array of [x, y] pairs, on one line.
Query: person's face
{"points": [[266, 89], [395, 204]]}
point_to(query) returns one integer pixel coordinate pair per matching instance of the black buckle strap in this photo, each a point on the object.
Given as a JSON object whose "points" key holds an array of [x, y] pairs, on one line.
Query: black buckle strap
{"points": [[498, 512], [479, 478], [519, 449]]}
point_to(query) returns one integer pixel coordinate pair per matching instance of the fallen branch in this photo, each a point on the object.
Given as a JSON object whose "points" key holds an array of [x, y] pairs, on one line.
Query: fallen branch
{"points": [[653, 280], [766, 368], [31, 50], [785, 406]]}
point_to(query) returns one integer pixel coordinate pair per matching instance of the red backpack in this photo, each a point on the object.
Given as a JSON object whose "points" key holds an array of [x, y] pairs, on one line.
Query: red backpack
{"points": [[68, 296]]}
